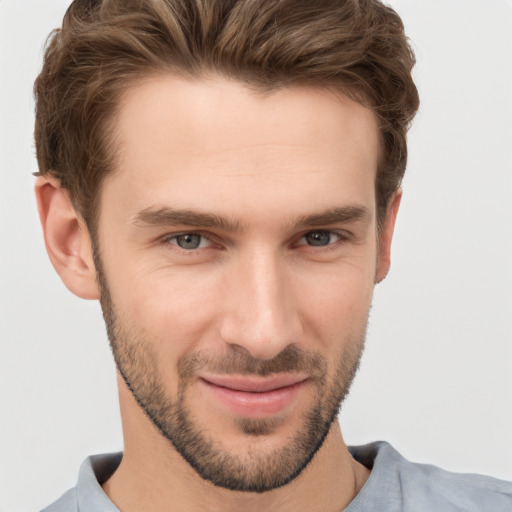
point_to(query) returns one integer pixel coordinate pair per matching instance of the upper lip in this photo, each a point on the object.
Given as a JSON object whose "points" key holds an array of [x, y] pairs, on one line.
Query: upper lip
{"points": [[254, 384]]}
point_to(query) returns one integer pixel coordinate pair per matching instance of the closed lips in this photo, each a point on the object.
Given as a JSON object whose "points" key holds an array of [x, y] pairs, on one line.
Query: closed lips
{"points": [[254, 384]]}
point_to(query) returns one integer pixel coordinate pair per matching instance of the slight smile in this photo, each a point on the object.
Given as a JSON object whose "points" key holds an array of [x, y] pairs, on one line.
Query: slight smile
{"points": [[255, 397]]}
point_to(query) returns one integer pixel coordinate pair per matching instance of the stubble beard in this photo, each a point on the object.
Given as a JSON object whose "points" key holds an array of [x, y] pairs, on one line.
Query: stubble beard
{"points": [[253, 471]]}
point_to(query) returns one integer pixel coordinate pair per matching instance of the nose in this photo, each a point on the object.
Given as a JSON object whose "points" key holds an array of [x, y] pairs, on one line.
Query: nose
{"points": [[262, 317]]}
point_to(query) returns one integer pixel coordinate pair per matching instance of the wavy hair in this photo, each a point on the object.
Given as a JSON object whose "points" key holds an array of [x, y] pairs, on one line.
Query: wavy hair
{"points": [[104, 46]]}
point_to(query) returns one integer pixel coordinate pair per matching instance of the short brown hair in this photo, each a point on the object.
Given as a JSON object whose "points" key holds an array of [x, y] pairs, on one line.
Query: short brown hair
{"points": [[104, 46]]}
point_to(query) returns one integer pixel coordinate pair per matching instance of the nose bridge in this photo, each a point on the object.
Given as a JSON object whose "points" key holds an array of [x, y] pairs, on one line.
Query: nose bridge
{"points": [[262, 319]]}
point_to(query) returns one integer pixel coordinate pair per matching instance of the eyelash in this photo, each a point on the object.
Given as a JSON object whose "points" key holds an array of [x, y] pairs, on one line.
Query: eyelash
{"points": [[168, 239], [342, 237]]}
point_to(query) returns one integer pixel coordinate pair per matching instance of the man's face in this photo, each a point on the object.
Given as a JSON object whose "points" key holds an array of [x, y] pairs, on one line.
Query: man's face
{"points": [[238, 254]]}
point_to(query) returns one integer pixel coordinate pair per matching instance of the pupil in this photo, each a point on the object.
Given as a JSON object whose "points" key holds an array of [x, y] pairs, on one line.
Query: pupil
{"points": [[318, 238], [188, 241]]}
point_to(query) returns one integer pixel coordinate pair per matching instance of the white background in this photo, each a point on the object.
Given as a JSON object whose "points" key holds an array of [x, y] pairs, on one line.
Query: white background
{"points": [[436, 377]]}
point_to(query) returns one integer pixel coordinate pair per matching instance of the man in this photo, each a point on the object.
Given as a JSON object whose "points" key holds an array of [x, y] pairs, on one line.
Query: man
{"points": [[225, 178]]}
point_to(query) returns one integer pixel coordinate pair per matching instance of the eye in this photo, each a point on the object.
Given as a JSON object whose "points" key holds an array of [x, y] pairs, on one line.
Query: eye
{"points": [[320, 238], [189, 241]]}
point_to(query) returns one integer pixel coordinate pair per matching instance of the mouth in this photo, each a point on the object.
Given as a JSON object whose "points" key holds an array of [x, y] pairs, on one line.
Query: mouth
{"points": [[254, 397]]}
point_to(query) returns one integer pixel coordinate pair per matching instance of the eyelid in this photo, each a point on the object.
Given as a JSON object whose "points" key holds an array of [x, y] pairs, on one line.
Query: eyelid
{"points": [[167, 239], [341, 234]]}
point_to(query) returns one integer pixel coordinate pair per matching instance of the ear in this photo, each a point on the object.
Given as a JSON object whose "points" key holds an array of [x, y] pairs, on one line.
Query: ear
{"points": [[386, 237], [66, 238]]}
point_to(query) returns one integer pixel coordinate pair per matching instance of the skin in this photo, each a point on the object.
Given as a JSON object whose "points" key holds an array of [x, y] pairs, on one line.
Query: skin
{"points": [[267, 163]]}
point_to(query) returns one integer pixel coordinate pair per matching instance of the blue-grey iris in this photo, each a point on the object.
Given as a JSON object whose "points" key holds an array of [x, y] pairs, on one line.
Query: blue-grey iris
{"points": [[318, 238], [188, 241]]}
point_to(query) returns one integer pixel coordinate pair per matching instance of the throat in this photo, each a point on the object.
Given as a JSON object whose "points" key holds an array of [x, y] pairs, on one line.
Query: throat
{"points": [[158, 476]]}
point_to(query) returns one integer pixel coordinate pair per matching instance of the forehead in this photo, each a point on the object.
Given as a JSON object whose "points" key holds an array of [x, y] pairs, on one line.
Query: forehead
{"points": [[215, 111], [220, 137]]}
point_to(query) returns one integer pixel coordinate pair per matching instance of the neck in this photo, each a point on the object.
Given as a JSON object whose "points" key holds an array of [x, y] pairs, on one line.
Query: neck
{"points": [[154, 477]]}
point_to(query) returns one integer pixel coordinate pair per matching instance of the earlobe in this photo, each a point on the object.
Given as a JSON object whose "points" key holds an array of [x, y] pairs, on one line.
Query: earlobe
{"points": [[66, 238], [386, 237]]}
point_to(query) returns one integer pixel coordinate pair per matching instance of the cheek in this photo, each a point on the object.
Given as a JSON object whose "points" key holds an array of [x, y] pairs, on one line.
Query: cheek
{"points": [[171, 311], [336, 305]]}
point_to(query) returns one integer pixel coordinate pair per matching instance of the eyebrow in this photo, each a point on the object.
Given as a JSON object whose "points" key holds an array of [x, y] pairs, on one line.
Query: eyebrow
{"points": [[343, 214], [165, 216]]}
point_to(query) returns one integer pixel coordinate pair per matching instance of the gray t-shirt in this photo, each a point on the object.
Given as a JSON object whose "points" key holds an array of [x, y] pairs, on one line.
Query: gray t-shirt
{"points": [[394, 485]]}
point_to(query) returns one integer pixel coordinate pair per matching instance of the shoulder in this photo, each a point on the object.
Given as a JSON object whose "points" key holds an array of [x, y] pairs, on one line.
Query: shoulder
{"points": [[88, 496], [66, 503], [456, 491], [422, 487]]}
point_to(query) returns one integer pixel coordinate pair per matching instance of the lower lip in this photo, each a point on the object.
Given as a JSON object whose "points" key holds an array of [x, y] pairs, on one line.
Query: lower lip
{"points": [[255, 405]]}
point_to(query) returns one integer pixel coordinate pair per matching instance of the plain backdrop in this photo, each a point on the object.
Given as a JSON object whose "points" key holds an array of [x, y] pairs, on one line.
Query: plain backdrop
{"points": [[436, 377]]}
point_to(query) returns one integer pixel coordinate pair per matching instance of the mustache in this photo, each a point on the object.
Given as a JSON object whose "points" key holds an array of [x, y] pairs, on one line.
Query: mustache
{"points": [[290, 360]]}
